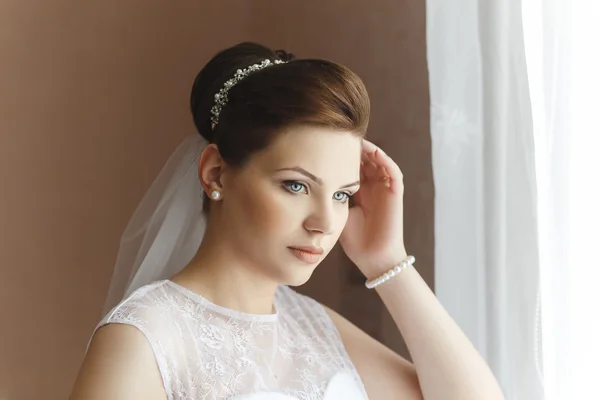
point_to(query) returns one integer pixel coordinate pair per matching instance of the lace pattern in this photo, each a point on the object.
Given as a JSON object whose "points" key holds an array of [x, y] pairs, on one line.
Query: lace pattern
{"points": [[205, 351]]}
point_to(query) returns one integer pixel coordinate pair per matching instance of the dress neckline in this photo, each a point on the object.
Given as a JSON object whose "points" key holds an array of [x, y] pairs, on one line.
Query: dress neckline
{"points": [[224, 310]]}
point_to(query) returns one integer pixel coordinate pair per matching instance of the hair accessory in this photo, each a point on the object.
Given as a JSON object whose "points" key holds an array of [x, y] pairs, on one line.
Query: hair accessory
{"points": [[373, 283], [221, 96]]}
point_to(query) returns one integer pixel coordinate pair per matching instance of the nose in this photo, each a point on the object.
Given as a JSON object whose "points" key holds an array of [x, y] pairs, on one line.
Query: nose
{"points": [[321, 220]]}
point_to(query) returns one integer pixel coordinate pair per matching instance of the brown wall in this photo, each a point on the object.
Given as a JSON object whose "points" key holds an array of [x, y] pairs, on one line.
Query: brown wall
{"points": [[93, 99]]}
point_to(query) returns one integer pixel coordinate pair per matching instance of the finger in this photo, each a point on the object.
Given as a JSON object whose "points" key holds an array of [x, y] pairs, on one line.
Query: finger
{"points": [[367, 156], [390, 167], [368, 149], [384, 176], [379, 157], [367, 146], [395, 182], [370, 170], [376, 172]]}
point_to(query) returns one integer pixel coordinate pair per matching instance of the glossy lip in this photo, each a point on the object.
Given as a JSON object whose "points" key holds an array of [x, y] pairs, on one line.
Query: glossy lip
{"points": [[308, 249], [307, 254]]}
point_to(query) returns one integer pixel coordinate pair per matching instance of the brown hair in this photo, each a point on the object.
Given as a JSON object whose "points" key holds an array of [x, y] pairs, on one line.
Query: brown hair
{"points": [[299, 92]]}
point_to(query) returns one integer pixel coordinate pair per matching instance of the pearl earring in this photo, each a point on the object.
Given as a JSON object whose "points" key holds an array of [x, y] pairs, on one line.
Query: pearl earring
{"points": [[215, 195]]}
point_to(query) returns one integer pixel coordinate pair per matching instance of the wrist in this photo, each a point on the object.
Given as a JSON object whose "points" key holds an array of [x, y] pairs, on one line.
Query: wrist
{"points": [[390, 273], [375, 267]]}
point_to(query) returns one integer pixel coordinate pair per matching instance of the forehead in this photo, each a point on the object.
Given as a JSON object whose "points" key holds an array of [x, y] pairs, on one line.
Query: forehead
{"points": [[314, 147]]}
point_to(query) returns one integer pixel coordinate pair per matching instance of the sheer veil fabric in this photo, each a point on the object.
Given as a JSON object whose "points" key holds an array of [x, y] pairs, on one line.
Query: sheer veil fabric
{"points": [[167, 227]]}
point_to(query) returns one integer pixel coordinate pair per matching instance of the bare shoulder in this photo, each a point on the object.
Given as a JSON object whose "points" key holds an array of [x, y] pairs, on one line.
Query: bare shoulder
{"points": [[385, 374], [119, 364]]}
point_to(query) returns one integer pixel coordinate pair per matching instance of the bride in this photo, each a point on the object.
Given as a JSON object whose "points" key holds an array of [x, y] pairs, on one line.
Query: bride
{"points": [[201, 304]]}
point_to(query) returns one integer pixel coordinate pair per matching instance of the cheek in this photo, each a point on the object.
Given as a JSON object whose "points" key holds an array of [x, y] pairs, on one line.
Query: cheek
{"points": [[341, 220], [265, 211]]}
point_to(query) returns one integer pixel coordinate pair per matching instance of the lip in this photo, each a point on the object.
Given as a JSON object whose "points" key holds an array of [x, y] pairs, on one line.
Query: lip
{"points": [[308, 249], [309, 255]]}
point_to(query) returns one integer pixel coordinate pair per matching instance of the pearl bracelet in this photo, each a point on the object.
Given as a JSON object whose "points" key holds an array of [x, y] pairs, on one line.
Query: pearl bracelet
{"points": [[373, 283]]}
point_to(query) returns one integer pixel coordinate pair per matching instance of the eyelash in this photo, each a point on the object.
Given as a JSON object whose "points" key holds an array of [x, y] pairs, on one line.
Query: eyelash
{"points": [[286, 185]]}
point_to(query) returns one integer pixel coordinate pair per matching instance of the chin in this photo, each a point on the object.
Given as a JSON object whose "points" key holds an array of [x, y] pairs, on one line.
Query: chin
{"points": [[291, 271], [297, 280], [295, 274]]}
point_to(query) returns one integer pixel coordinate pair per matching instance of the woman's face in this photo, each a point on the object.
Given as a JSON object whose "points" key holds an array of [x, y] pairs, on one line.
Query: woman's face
{"points": [[290, 201]]}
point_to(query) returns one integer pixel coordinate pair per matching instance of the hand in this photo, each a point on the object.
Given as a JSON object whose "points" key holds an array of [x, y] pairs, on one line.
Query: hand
{"points": [[373, 237]]}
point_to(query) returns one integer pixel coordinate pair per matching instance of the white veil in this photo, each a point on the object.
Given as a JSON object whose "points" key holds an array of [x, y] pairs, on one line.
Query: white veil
{"points": [[167, 227]]}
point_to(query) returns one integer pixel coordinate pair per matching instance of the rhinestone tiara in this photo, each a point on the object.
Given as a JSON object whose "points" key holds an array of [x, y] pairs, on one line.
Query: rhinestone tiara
{"points": [[221, 96]]}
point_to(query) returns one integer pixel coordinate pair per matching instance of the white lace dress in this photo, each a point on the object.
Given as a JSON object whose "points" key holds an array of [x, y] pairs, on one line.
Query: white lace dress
{"points": [[205, 351]]}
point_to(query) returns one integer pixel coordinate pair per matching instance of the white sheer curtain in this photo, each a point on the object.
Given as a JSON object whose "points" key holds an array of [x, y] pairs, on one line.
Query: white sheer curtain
{"points": [[514, 87], [484, 171], [563, 60]]}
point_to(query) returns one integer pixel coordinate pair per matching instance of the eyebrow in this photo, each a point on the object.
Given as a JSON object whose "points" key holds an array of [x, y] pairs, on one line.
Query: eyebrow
{"points": [[314, 178]]}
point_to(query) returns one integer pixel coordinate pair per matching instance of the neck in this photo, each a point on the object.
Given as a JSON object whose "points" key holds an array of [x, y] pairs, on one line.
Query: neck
{"points": [[225, 278]]}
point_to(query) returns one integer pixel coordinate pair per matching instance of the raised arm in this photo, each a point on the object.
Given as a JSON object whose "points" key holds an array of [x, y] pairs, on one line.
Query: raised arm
{"points": [[446, 363]]}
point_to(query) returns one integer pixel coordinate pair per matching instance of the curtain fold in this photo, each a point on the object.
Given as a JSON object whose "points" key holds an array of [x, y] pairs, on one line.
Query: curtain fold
{"points": [[564, 73], [486, 256], [515, 141]]}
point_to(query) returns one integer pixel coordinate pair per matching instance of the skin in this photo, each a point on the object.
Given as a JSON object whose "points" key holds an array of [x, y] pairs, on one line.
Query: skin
{"points": [[271, 205]]}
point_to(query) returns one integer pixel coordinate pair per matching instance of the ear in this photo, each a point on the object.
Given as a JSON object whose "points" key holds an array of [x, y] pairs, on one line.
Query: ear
{"points": [[210, 169]]}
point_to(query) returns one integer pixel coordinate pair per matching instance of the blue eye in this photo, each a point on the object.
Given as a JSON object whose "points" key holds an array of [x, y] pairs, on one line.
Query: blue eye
{"points": [[295, 187], [341, 197]]}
